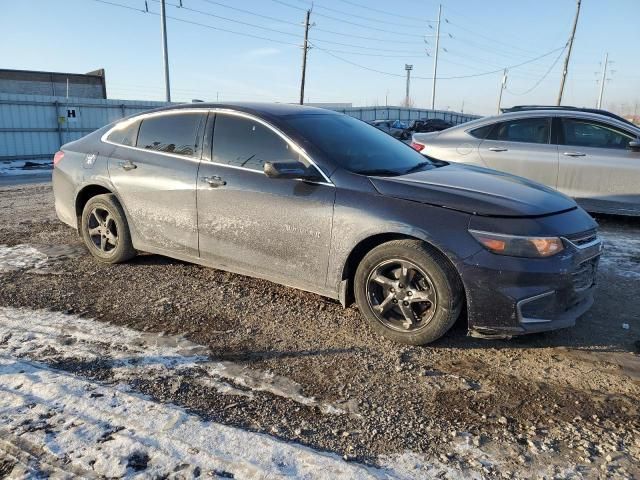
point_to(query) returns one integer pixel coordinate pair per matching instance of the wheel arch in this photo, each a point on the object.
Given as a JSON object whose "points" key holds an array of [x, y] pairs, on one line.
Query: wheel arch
{"points": [[367, 244]]}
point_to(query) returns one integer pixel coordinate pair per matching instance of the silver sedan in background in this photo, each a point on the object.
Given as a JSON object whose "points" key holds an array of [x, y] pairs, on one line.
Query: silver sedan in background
{"points": [[592, 158]]}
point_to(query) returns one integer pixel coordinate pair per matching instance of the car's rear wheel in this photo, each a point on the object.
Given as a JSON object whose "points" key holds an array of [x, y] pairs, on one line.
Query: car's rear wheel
{"points": [[408, 292], [105, 230]]}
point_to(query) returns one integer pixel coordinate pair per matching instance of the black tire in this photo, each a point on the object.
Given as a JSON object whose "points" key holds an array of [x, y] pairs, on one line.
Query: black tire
{"points": [[433, 277], [105, 230]]}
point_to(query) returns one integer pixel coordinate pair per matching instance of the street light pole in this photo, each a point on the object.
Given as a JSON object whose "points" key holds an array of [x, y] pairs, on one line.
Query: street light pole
{"points": [[165, 52], [408, 68]]}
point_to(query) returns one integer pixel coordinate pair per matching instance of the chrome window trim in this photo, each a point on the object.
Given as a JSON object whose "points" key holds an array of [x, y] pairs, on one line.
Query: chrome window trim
{"points": [[205, 111], [142, 116]]}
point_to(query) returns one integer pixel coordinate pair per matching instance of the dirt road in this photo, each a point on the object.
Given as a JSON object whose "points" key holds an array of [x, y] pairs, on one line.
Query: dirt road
{"points": [[301, 368]]}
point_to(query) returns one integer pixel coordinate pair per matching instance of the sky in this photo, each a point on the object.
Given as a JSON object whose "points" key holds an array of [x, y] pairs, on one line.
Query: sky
{"points": [[251, 49]]}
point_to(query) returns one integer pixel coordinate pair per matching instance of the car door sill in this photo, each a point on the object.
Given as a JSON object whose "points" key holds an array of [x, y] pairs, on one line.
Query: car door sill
{"points": [[284, 281]]}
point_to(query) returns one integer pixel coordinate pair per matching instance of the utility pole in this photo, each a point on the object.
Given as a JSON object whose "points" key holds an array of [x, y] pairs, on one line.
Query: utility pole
{"points": [[408, 68], [165, 52], [603, 79], [305, 49], [503, 85], [565, 70], [435, 60]]}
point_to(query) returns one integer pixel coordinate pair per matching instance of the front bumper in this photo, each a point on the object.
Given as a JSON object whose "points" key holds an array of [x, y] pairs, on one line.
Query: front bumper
{"points": [[508, 296]]}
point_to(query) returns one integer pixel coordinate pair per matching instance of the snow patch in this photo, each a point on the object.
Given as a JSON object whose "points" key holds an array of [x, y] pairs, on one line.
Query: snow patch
{"points": [[99, 430], [621, 254], [21, 257], [129, 354], [25, 167]]}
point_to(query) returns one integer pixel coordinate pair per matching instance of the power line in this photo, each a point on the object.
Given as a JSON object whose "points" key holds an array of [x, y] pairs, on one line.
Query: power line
{"points": [[368, 19], [367, 7], [329, 52], [190, 22], [276, 19], [369, 27], [541, 79]]}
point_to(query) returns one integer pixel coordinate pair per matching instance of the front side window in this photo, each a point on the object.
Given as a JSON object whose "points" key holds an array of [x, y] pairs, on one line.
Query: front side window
{"points": [[170, 133], [586, 133], [527, 130], [125, 133], [243, 142]]}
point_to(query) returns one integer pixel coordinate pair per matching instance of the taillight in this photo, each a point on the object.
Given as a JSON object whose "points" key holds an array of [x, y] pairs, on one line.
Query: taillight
{"points": [[57, 157], [418, 146]]}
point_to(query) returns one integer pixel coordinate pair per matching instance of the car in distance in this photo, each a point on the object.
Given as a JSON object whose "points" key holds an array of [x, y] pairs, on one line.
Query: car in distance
{"points": [[395, 128], [591, 157], [326, 203], [429, 125]]}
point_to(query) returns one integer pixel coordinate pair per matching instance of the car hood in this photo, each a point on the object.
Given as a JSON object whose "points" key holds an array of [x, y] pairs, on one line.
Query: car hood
{"points": [[475, 190]]}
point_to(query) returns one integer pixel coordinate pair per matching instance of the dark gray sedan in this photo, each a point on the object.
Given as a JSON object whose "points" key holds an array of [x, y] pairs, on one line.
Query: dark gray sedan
{"points": [[326, 203]]}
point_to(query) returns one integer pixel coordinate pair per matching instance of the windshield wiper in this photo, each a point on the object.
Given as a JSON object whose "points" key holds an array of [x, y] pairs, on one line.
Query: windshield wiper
{"points": [[379, 172], [418, 166]]}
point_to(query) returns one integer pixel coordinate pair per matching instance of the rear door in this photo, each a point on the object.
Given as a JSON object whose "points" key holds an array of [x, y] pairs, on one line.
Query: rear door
{"points": [[155, 178], [522, 147], [274, 228], [597, 167]]}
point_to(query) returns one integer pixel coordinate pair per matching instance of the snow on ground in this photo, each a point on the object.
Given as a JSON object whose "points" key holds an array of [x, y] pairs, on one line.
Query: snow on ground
{"points": [[35, 258], [52, 421], [131, 354], [621, 254], [25, 167]]}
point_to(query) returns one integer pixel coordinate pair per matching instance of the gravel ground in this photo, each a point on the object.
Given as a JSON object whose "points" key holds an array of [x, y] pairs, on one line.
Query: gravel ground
{"points": [[562, 404]]}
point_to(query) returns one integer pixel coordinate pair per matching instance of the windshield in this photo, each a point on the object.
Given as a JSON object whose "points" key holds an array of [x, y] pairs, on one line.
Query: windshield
{"points": [[357, 146]]}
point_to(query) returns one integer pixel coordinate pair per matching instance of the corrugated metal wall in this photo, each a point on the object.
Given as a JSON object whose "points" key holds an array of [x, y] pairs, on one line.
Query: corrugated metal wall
{"points": [[34, 126]]}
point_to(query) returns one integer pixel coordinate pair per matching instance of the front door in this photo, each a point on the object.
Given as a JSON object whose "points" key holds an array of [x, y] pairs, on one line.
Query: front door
{"points": [[522, 147], [155, 177], [597, 167], [274, 228]]}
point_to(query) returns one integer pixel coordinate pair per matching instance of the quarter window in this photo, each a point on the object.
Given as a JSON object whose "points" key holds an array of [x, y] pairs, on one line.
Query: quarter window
{"points": [[171, 133], [528, 130], [481, 132], [125, 133], [584, 133], [242, 142]]}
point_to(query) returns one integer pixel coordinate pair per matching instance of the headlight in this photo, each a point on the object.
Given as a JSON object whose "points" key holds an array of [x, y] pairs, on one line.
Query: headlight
{"points": [[517, 246]]}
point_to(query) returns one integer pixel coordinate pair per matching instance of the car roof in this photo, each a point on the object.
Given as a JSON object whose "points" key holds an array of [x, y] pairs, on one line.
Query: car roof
{"points": [[546, 113], [256, 108], [606, 113]]}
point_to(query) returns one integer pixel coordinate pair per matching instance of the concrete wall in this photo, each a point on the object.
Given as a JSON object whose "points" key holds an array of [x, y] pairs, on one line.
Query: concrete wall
{"points": [[33, 127]]}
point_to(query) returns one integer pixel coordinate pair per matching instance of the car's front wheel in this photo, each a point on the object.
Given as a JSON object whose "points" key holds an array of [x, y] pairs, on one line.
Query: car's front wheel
{"points": [[105, 230], [408, 292]]}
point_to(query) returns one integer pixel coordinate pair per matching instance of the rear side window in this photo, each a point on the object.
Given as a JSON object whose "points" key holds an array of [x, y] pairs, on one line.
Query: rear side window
{"points": [[481, 132], [586, 133], [174, 133], [242, 142], [125, 133], [528, 130]]}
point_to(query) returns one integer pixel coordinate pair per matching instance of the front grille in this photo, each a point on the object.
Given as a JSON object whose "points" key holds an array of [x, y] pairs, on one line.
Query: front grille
{"points": [[585, 275], [583, 238]]}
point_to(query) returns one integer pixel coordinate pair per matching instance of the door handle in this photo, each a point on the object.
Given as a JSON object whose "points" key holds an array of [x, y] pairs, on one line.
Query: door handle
{"points": [[575, 154], [128, 165], [214, 181], [498, 149]]}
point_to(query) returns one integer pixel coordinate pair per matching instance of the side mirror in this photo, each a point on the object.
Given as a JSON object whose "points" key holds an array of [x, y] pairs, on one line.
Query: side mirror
{"points": [[289, 169], [634, 145]]}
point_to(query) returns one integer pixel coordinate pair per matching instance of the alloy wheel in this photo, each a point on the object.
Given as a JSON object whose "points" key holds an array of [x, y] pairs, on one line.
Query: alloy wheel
{"points": [[103, 230], [401, 295]]}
